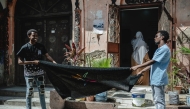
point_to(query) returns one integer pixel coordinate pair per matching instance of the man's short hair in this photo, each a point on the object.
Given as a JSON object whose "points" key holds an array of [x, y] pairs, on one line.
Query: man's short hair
{"points": [[165, 34], [30, 31]]}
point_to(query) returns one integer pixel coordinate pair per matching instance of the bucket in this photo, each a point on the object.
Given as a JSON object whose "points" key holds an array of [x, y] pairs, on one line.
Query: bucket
{"points": [[188, 99], [138, 97], [173, 97]]}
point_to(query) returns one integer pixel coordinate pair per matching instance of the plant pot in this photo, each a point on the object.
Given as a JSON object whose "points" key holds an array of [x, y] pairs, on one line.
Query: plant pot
{"points": [[90, 98], [178, 89]]}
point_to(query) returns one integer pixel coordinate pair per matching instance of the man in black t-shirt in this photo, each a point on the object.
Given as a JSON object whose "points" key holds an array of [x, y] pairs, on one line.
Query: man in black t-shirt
{"points": [[29, 56]]}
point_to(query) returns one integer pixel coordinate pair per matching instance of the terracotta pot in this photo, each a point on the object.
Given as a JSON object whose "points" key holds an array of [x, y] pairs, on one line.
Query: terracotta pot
{"points": [[90, 98], [178, 88]]}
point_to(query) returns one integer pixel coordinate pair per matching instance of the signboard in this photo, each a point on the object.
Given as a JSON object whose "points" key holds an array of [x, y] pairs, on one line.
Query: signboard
{"points": [[98, 26]]}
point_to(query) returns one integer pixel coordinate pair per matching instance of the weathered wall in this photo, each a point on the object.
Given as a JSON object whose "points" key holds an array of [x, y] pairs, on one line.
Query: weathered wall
{"points": [[90, 10], [182, 13], [165, 22], [94, 9], [11, 74], [183, 31], [183, 40]]}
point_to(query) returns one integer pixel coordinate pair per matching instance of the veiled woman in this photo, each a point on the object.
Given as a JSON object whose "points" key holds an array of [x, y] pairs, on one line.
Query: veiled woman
{"points": [[139, 56]]}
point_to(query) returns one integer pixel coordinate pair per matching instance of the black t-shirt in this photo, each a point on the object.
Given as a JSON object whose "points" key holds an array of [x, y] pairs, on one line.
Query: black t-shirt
{"points": [[29, 52]]}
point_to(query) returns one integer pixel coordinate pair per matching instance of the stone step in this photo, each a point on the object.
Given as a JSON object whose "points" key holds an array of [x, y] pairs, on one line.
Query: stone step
{"points": [[20, 101], [17, 107], [22, 92]]}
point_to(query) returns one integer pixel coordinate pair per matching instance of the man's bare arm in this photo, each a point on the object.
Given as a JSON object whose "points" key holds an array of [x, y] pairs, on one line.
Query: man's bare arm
{"points": [[22, 62], [144, 70], [148, 63], [49, 58]]}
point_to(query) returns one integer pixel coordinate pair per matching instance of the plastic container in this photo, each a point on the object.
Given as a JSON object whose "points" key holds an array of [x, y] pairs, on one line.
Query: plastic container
{"points": [[173, 97], [138, 97], [101, 97], [188, 99]]}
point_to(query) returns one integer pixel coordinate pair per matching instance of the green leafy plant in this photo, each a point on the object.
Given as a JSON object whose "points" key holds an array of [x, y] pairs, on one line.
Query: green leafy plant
{"points": [[173, 78], [101, 63], [185, 76], [179, 74], [184, 50]]}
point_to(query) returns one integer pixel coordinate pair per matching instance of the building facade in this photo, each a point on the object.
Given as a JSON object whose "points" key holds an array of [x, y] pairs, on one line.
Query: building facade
{"points": [[103, 27]]}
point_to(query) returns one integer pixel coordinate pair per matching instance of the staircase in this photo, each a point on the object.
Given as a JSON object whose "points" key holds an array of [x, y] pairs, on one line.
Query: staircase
{"points": [[14, 98]]}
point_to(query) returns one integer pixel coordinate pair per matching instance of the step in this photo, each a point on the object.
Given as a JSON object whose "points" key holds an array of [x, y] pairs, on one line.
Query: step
{"points": [[17, 107], [20, 101], [72, 104], [21, 93]]}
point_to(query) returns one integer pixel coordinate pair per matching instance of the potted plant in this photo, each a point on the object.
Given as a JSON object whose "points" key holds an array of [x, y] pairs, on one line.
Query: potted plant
{"points": [[175, 76], [174, 86], [186, 51], [179, 77], [74, 56]]}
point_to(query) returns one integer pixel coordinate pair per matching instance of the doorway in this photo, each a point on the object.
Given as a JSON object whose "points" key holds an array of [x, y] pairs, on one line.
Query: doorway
{"points": [[53, 21], [131, 21]]}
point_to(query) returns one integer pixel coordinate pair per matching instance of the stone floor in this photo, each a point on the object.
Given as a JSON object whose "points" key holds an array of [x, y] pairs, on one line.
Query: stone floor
{"points": [[123, 100]]}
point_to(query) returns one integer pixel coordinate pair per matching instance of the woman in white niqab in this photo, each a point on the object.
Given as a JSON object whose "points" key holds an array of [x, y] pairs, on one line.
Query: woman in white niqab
{"points": [[139, 56]]}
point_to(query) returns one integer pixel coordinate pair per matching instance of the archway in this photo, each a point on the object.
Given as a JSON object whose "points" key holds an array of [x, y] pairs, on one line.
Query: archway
{"points": [[52, 19]]}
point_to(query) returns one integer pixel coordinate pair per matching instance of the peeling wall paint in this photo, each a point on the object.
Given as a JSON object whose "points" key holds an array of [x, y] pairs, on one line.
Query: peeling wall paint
{"points": [[183, 40], [96, 10], [99, 14]]}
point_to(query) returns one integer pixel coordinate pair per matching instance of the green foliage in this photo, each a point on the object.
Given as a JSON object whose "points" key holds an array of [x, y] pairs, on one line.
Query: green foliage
{"points": [[176, 76], [175, 68], [173, 77], [185, 50], [101, 63]]}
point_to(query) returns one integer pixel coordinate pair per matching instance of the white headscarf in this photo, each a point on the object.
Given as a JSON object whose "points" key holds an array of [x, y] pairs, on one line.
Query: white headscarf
{"points": [[140, 48]]}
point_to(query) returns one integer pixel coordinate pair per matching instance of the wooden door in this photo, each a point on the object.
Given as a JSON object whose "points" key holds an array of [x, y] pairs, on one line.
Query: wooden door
{"points": [[53, 21], [54, 33], [58, 34]]}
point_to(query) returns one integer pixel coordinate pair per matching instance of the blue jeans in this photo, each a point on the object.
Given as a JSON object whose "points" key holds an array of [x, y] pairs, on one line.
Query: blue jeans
{"points": [[158, 96], [30, 90]]}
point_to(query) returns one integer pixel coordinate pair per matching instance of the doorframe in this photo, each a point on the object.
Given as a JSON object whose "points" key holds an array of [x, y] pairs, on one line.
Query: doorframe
{"points": [[12, 59], [18, 44], [140, 6], [114, 47], [156, 4]]}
